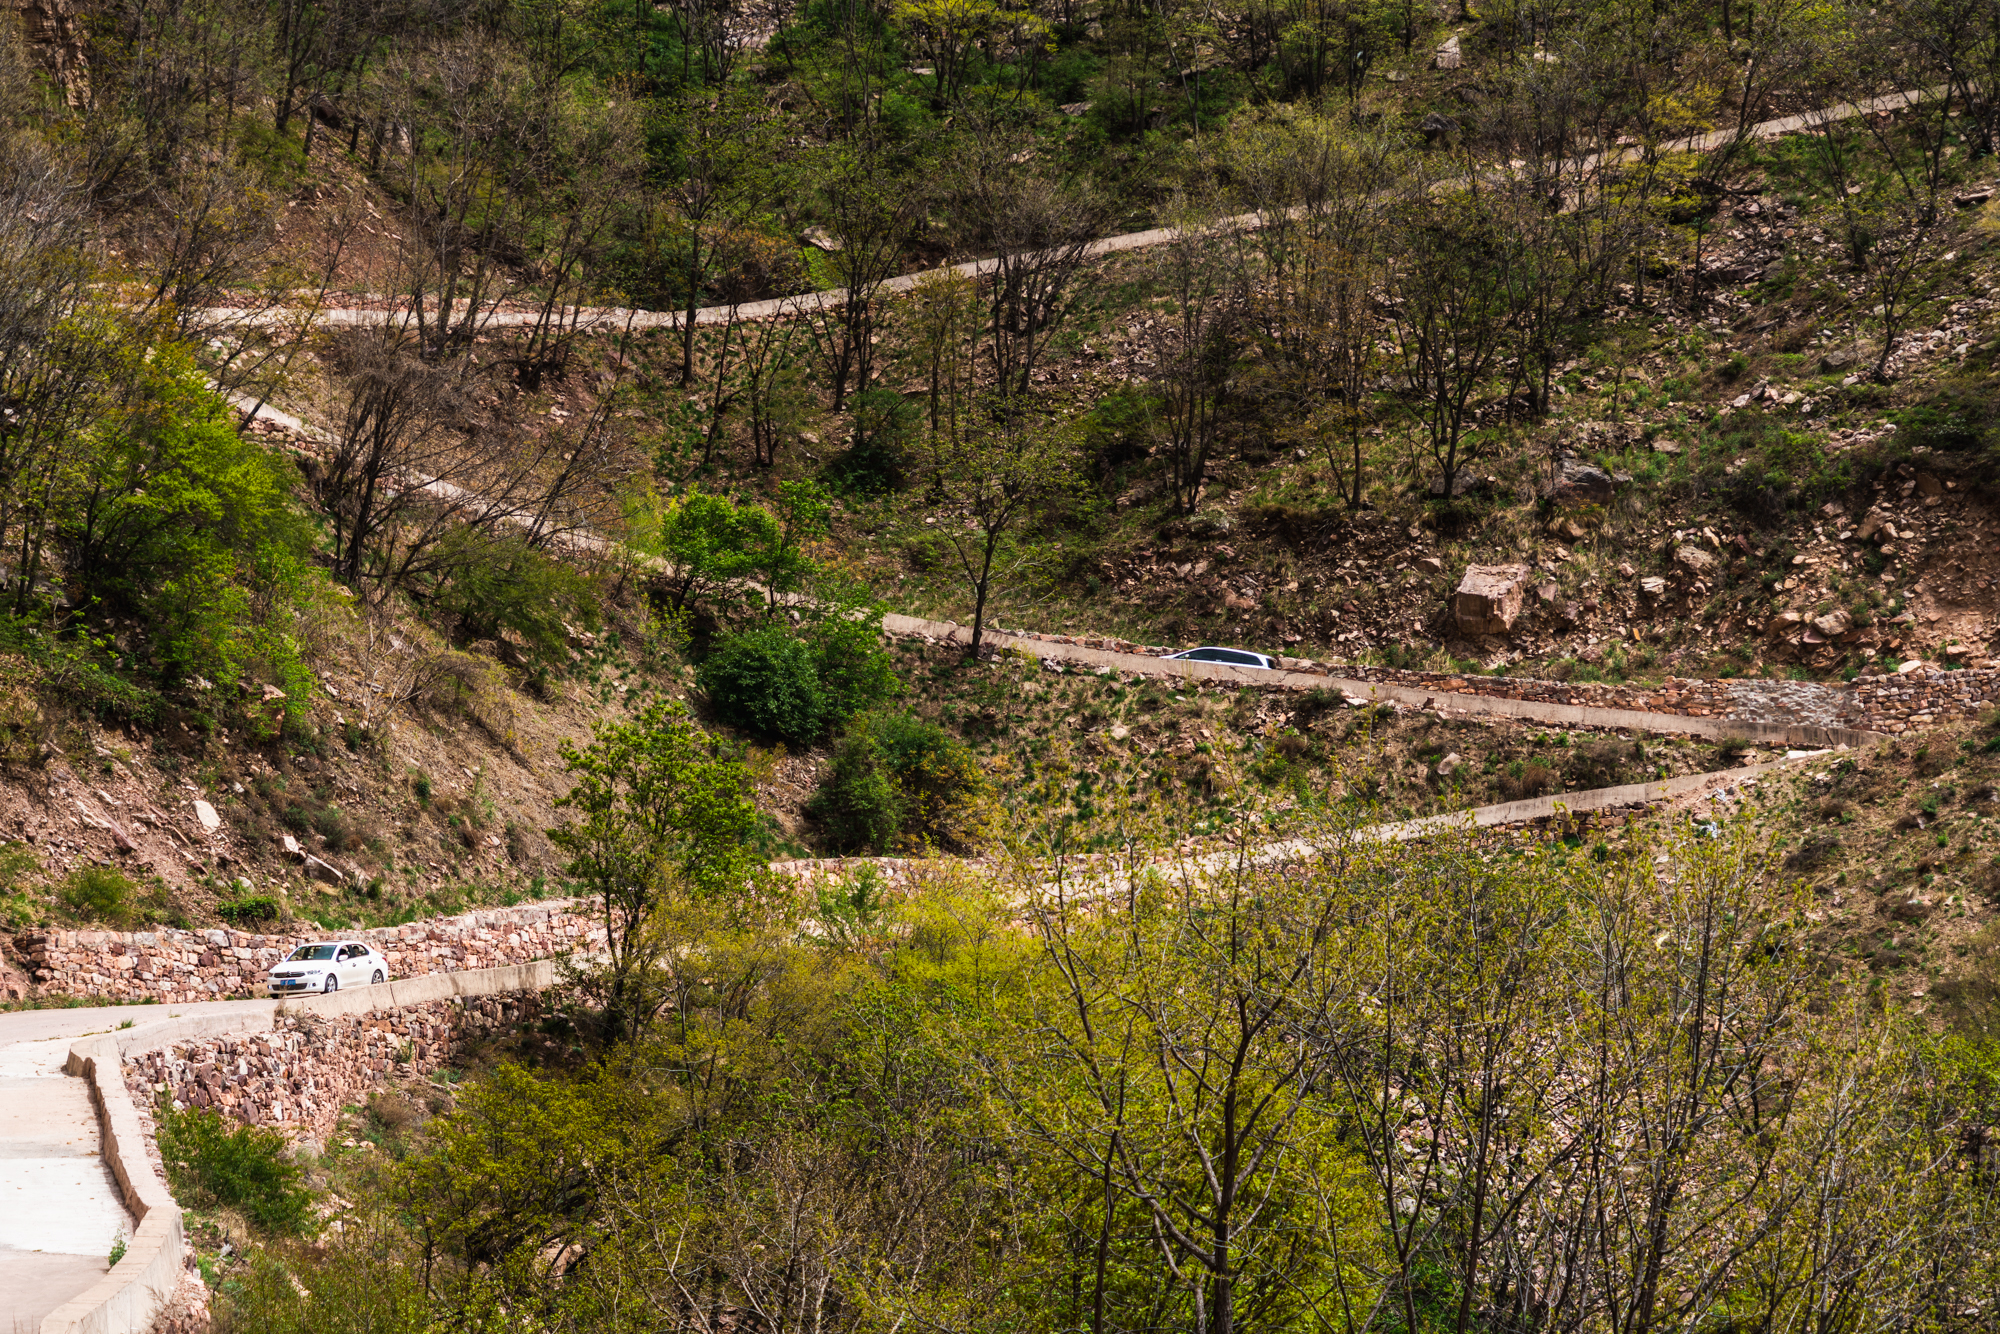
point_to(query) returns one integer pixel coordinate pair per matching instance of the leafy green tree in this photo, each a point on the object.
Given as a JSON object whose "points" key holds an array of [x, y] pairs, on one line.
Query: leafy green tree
{"points": [[704, 539], [185, 526], [657, 811]]}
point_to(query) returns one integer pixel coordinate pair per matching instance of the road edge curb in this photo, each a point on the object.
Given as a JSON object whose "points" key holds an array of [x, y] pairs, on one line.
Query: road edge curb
{"points": [[128, 1298]]}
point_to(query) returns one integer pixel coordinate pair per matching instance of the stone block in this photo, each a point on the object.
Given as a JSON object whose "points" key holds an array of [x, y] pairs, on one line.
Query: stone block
{"points": [[1488, 599]]}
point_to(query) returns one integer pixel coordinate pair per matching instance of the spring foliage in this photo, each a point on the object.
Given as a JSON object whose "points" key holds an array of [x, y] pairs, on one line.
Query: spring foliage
{"points": [[1366, 1086]]}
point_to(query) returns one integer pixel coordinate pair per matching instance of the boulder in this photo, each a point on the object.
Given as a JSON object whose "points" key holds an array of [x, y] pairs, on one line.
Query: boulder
{"points": [[1928, 485], [1448, 55], [1488, 599], [1784, 622], [1834, 624], [1693, 558], [1582, 484], [1871, 525], [320, 870], [1653, 586], [206, 813], [1430, 565], [1462, 483]]}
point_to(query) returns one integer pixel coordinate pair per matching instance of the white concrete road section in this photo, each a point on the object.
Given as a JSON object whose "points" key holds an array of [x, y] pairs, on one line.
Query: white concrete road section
{"points": [[60, 1208]]}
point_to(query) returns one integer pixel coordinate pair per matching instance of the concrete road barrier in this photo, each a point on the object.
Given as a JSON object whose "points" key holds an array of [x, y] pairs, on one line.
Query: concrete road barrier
{"points": [[126, 1300]]}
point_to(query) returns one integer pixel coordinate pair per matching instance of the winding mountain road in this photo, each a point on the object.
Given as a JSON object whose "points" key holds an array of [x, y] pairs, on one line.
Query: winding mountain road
{"points": [[615, 318]]}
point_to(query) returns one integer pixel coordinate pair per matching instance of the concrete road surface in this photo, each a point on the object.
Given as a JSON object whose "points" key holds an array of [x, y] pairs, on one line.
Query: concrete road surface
{"points": [[60, 1211]]}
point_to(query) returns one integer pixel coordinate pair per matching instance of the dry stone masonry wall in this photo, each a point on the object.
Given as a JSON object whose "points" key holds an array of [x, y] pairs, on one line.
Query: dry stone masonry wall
{"points": [[173, 966], [1920, 695], [299, 1076]]}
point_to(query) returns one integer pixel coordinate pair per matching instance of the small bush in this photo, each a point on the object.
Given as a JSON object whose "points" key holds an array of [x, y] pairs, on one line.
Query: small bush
{"points": [[897, 780], [1600, 763], [767, 683], [256, 908], [210, 1163], [393, 1112], [1816, 851], [858, 802], [1523, 780], [885, 428], [99, 893], [510, 592], [332, 824]]}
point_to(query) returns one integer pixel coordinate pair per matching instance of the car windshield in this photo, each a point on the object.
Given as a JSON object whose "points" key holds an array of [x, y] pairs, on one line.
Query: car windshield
{"points": [[307, 952]]}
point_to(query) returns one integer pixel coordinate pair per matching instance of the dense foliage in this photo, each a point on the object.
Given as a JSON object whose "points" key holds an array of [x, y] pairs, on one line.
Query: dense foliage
{"points": [[1373, 1087], [214, 1163], [895, 781]]}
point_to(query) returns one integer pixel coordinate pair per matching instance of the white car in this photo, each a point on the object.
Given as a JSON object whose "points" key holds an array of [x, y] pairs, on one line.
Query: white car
{"points": [[328, 966], [1235, 657]]}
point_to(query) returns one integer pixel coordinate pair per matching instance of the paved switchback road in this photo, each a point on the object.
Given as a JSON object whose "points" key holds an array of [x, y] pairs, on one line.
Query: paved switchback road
{"points": [[611, 319], [60, 1209]]}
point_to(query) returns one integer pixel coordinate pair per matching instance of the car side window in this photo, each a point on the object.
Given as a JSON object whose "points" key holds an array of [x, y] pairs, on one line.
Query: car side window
{"points": [[1206, 655]]}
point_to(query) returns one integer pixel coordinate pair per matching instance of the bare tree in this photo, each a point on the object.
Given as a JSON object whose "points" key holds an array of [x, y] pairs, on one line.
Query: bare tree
{"points": [[56, 371], [1310, 270], [1450, 312], [872, 218], [994, 479], [718, 146], [1037, 225], [1192, 350]]}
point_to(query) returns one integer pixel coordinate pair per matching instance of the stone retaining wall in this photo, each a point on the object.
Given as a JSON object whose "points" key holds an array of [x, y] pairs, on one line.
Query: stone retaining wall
{"points": [[1898, 703], [178, 966], [1890, 704], [300, 1074]]}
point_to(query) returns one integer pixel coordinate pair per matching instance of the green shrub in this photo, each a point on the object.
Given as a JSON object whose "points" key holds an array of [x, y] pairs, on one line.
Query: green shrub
{"points": [[897, 780], [767, 683], [885, 428], [20, 869], [99, 893], [855, 671], [255, 908], [210, 1163], [858, 802], [508, 590]]}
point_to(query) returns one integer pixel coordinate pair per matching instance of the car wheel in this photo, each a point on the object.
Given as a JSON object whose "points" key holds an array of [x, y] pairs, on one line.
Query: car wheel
{"points": [[332, 982], [376, 980]]}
